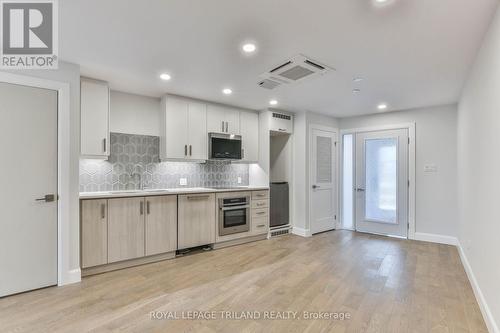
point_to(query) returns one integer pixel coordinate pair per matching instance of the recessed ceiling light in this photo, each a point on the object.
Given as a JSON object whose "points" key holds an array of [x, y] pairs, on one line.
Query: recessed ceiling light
{"points": [[249, 48], [356, 91], [357, 79], [165, 76], [227, 91], [380, 1], [273, 102], [382, 106]]}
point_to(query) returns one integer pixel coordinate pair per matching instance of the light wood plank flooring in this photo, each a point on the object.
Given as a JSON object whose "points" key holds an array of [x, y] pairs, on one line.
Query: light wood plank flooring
{"points": [[386, 285]]}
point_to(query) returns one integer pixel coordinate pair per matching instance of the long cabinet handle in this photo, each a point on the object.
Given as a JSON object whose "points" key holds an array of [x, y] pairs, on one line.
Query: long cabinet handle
{"points": [[190, 150], [190, 197], [148, 207], [222, 126], [104, 146], [185, 150], [103, 211], [141, 207], [226, 126]]}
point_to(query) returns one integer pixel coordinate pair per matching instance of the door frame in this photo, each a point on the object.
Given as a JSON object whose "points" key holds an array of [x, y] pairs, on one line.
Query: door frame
{"points": [[65, 274], [411, 127], [310, 174]]}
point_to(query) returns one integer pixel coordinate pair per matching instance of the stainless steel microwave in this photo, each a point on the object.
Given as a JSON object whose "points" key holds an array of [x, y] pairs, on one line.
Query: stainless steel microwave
{"points": [[224, 146]]}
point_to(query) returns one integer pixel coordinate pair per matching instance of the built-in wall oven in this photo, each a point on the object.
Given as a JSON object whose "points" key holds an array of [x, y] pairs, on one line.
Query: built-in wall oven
{"points": [[234, 215]]}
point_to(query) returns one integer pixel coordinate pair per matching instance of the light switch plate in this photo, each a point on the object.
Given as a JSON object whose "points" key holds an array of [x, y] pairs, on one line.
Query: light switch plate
{"points": [[239, 180], [183, 181], [430, 168]]}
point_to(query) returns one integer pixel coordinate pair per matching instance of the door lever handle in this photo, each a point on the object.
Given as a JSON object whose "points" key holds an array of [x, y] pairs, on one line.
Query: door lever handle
{"points": [[47, 198], [359, 189], [316, 186]]}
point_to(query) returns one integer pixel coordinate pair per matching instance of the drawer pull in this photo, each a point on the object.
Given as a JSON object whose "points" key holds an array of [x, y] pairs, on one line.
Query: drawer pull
{"points": [[194, 197], [261, 225], [261, 213]]}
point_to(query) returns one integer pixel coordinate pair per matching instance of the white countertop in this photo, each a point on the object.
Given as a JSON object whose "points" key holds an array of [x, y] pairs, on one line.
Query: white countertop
{"points": [[149, 192]]}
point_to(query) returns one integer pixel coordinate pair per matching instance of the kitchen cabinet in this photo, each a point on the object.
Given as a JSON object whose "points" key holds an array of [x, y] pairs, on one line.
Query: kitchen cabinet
{"points": [[260, 212], [222, 119], [161, 224], [125, 229], [183, 129], [94, 233], [94, 117], [196, 220], [249, 129]]}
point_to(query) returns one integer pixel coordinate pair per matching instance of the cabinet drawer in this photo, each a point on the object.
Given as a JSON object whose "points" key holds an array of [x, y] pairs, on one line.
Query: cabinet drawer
{"points": [[258, 195], [260, 203], [260, 225], [259, 212]]}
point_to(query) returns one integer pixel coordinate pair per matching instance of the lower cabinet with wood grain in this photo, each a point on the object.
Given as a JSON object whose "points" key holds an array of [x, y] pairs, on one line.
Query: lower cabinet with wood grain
{"points": [[123, 232], [196, 220]]}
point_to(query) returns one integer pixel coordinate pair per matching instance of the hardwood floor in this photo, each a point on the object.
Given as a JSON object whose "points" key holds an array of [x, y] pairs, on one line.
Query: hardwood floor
{"points": [[384, 284]]}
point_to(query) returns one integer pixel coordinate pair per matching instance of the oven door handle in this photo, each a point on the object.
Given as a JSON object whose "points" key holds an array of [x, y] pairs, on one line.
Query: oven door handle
{"points": [[234, 207]]}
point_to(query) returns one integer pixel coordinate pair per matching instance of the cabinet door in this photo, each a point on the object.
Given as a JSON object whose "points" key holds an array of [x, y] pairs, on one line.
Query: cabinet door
{"points": [[176, 129], [216, 119], [125, 229], [94, 236], [232, 118], [198, 135], [249, 128], [161, 224], [196, 220], [94, 99]]}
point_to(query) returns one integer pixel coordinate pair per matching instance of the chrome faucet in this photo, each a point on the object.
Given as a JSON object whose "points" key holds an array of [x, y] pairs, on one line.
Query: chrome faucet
{"points": [[138, 174]]}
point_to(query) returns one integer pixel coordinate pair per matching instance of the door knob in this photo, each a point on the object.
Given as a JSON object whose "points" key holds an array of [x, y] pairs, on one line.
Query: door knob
{"points": [[47, 198], [315, 186]]}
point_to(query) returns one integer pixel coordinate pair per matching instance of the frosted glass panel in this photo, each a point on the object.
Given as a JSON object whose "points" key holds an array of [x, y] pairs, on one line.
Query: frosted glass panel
{"points": [[381, 179], [348, 182], [324, 159]]}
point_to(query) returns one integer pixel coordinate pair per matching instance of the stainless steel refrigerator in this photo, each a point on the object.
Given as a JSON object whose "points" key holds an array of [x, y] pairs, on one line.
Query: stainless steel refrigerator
{"points": [[280, 204]]}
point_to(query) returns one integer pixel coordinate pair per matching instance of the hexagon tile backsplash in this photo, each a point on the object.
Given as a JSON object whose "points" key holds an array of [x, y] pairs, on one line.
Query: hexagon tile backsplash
{"points": [[135, 158]]}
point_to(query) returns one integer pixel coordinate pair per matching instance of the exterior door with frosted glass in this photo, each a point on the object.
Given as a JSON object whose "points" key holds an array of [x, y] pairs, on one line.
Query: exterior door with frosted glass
{"points": [[382, 182], [323, 196]]}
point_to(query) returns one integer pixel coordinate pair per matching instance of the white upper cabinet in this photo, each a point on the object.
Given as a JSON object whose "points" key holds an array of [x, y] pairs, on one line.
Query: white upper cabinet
{"points": [[183, 129], [94, 108], [198, 137], [249, 128], [221, 119]]}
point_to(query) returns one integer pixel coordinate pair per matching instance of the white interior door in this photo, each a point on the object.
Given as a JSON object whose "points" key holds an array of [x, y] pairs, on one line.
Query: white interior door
{"points": [[28, 226], [382, 182], [323, 195]]}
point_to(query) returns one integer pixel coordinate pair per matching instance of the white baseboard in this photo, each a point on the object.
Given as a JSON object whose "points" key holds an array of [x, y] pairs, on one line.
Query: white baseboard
{"points": [[485, 309], [72, 276], [435, 238], [301, 232]]}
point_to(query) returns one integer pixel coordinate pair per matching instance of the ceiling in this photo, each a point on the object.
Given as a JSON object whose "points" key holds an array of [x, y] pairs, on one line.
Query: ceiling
{"points": [[411, 53]]}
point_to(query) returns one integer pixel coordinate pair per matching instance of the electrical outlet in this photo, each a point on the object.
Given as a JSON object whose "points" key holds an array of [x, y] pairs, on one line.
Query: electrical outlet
{"points": [[183, 181], [239, 180]]}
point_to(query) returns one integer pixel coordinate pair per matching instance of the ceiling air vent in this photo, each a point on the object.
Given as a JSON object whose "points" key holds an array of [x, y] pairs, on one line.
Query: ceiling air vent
{"points": [[293, 70]]}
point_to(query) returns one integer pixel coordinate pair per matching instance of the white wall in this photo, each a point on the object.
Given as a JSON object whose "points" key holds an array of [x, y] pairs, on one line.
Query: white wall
{"points": [[479, 177], [280, 158], [436, 199], [134, 114]]}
